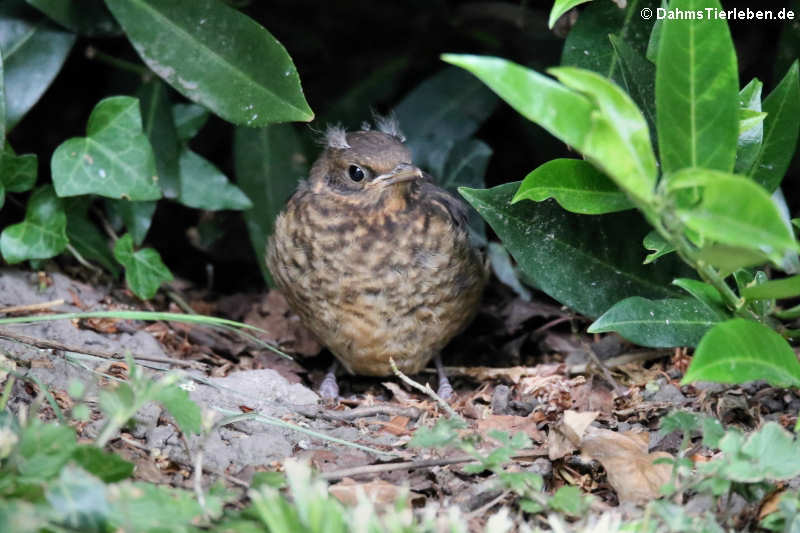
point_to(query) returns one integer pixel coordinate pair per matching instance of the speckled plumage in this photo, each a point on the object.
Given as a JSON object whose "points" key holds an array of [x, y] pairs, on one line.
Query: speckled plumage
{"points": [[379, 268]]}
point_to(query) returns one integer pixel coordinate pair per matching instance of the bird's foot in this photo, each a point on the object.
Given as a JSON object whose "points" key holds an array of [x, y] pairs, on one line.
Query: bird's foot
{"points": [[329, 388], [445, 390]]}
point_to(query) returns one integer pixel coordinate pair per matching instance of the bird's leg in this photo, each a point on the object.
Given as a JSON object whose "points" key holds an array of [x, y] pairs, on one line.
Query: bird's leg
{"points": [[329, 389], [445, 389]]}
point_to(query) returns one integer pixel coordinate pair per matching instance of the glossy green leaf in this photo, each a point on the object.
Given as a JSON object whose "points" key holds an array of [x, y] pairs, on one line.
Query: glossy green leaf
{"points": [[109, 467], [562, 112], [17, 172], [33, 53], [696, 91], [144, 270], [749, 119], [85, 17], [136, 217], [749, 141], [576, 185], [781, 129], [187, 414], [734, 211], [203, 186], [774, 289], [465, 166], [639, 76], [217, 57], [560, 7], [579, 260], [43, 232], [658, 323], [188, 119], [739, 350], [705, 293], [444, 109], [160, 129], [619, 142], [113, 160], [729, 259], [588, 46], [658, 247], [505, 271], [269, 163]]}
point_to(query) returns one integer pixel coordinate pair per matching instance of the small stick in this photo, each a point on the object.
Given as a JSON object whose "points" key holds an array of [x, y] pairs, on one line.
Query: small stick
{"points": [[31, 307], [413, 465], [425, 390], [54, 345]]}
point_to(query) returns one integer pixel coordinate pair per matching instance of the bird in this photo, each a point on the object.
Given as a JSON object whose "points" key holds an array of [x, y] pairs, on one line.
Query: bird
{"points": [[375, 258]]}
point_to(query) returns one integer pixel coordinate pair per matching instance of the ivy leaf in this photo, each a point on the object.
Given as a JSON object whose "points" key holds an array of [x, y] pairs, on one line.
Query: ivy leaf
{"points": [[144, 270], [114, 159], [89, 241], [43, 233], [17, 172]]}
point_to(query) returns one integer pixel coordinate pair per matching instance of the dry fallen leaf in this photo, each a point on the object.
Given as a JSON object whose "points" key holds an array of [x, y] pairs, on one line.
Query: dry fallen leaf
{"points": [[511, 424], [629, 467], [565, 437], [377, 491]]}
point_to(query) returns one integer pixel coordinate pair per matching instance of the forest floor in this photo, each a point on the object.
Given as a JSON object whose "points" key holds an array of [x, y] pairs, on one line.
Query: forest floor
{"points": [[591, 406]]}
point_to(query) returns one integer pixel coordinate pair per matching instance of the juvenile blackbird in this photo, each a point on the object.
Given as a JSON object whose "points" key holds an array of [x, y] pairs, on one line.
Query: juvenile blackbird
{"points": [[375, 258]]}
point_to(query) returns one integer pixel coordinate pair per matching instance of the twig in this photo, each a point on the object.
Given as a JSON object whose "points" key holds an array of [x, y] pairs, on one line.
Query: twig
{"points": [[425, 390], [480, 511], [31, 307], [78, 257], [413, 465], [54, 345], [364, 412], [620, 360]]}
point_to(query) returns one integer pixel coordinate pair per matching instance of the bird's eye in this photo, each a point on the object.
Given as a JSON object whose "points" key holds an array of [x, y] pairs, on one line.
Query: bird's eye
{"points": [[356, 173]]}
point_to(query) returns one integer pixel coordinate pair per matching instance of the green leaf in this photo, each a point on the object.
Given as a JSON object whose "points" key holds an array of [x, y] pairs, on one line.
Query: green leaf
{"points": [[217, 57], [78, 500], [136, 217], [576, 185], [43, 232], [465, 166], [729, 259], [570, 500], [85, 17], [734, 211], [186, 413], [505, 271], [658, 323], [704, 293], [89, 241], [2, 111], [562, 112], [749, 119], [658, 247], [113, 160], [739, 350], [619, 142], [188, 120], [588, 46], [769, 454], [109, 467], [443, 433], [577, 259], [442, 110], [639, 76], [140, 506], [43, 450], [203, 186], [780, 131], [144, 270], [696, 91], [773, 289], [17, 172], [33, 53], [160, 129], [269, 163], [749, 141], [559, 8]]}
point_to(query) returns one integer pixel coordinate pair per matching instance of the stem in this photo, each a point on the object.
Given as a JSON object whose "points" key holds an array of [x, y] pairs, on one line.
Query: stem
{"points": [[94, 53]]}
